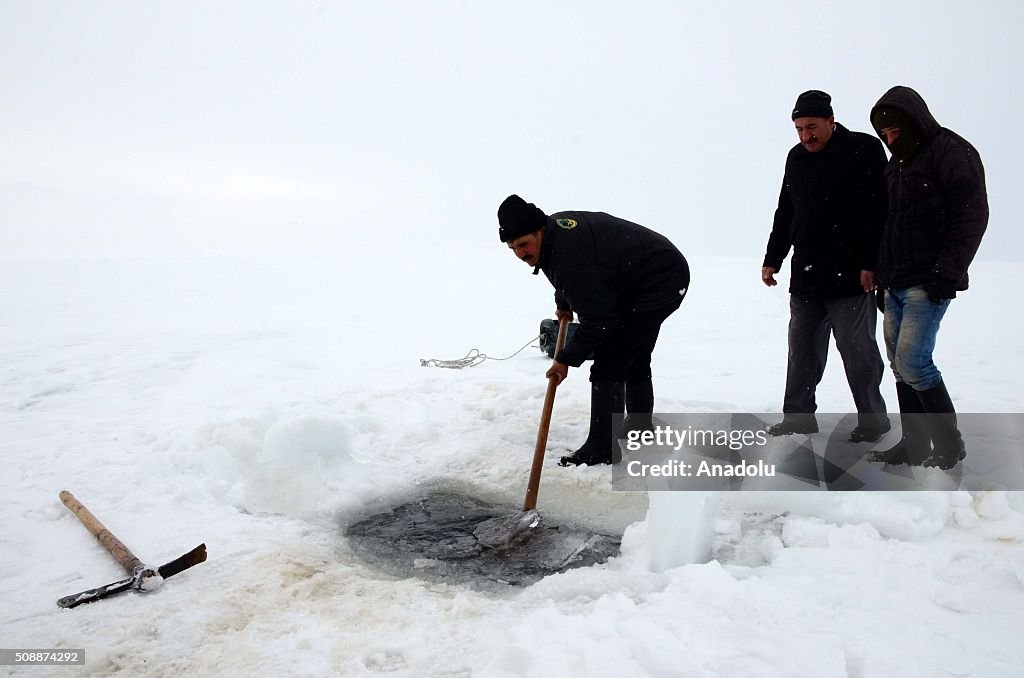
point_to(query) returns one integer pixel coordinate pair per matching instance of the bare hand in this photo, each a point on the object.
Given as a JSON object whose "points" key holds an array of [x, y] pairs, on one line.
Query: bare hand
{"points": [[768, 276], [559, 314], [558, 372], [867, 280]]}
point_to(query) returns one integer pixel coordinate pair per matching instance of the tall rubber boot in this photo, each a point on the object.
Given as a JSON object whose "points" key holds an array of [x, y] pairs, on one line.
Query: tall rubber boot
{"points": [[913, 448], [606, 400], [947, 443], [639, 406]]}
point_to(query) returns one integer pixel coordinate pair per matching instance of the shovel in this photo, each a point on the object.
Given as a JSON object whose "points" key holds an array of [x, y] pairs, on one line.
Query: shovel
{"points": [[497, 533]]}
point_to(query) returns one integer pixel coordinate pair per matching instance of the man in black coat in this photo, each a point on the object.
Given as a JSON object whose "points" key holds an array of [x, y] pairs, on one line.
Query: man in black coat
{"points": [[831, 210], [623, 281], [938, 213]]}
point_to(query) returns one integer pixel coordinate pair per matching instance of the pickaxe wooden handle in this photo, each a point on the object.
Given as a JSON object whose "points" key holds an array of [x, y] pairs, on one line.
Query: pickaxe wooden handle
{"points": [[141, 578], [114, 545]]}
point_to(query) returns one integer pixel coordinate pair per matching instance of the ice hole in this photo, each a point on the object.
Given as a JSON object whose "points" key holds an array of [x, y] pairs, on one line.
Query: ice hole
{"points": [[432, 538]]}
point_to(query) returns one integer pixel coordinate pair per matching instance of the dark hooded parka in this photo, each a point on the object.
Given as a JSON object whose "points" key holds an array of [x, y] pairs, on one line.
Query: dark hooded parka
{"points": [[938, 205]]}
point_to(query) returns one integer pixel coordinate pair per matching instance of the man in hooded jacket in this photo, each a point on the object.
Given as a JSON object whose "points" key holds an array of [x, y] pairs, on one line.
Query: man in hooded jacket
{"points": [[938, 213], [623, 281]]}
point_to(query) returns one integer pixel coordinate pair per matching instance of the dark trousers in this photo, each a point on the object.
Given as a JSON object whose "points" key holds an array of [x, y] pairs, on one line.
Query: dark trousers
{"points": [[626, 355], [852, 321]]}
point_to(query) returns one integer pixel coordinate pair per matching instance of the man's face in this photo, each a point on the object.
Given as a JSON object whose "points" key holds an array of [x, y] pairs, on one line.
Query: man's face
{"points": [[814, 133], [889, 135], [527, 247]]}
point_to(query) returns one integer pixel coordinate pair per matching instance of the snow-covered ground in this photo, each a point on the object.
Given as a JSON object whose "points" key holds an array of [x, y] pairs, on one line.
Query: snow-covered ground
{"points": [[259, 406]]}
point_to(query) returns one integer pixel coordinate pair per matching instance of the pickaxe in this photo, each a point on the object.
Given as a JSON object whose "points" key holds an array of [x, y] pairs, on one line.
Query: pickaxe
{"points": [[142, 578]]}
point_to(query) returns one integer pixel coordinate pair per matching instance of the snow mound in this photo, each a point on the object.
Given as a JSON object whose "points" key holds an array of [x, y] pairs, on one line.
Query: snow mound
{"points": [[287, 467]]}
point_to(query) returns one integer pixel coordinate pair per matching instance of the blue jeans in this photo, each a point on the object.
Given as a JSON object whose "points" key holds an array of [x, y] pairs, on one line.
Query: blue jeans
{"points": [[910, 327]]}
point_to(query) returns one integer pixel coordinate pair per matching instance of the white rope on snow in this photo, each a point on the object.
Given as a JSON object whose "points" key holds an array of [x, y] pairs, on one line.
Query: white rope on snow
{"points": [[472, 358]]}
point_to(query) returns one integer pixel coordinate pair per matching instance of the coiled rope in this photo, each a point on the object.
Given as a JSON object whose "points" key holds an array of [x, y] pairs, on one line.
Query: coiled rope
{"points": [[473, 358]]}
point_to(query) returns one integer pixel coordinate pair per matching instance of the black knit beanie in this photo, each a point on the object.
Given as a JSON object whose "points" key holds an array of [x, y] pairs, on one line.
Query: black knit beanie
{"points": [[813, 104], [517, 218]]}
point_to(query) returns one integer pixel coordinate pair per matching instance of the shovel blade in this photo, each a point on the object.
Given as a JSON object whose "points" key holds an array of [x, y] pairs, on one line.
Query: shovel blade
{"points": [[505, 531]]}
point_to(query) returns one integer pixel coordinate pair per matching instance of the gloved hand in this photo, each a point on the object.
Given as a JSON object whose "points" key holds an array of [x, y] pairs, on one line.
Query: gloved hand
{"points": [[941, 288]]}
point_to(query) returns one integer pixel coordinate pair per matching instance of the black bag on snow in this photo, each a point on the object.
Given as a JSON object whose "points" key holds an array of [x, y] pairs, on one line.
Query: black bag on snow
{"points": [[549, 336]]}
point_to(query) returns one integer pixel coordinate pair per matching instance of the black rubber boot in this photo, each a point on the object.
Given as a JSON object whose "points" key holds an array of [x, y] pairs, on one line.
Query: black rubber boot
{"points": [[948, 447], [794, 423], [606, 400], [869, 433], [639, 406], [913, 448]]}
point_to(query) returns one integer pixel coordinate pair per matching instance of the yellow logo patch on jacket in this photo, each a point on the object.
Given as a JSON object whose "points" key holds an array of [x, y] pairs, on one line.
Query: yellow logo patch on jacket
{"points": [[567, 224]]}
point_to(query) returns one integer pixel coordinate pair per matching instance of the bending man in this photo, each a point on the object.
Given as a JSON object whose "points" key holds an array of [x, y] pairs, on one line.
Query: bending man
{"points": [[623, 281]]}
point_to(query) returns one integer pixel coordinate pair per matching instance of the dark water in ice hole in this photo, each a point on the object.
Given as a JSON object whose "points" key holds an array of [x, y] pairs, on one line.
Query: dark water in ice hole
{"points": [[432, 539]]}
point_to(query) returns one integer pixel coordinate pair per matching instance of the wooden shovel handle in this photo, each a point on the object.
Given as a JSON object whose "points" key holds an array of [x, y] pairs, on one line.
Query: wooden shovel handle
{"points": [[120, 552], [533, 485]]}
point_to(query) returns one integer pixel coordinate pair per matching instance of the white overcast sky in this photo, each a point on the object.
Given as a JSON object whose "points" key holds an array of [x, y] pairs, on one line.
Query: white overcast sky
{"points": [[235, 128]]}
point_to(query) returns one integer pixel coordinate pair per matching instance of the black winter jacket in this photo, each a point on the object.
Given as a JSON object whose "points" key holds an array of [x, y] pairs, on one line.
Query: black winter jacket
{"points": [[938, 205], [603, 267], [831, 211]]}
